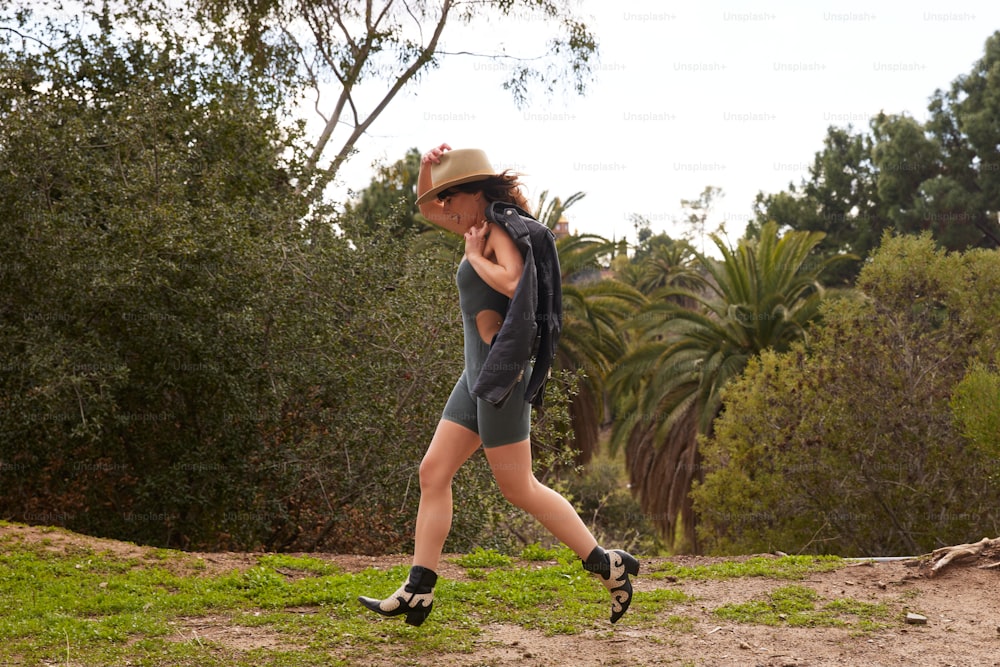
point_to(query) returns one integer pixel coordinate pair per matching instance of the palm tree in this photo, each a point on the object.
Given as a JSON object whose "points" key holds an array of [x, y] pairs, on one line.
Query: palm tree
{"points": [[667, 389], [550, 211], [594, 307]]}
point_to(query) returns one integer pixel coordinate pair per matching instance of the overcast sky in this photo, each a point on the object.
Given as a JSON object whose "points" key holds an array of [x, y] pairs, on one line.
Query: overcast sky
{"points": [[732, 94]]}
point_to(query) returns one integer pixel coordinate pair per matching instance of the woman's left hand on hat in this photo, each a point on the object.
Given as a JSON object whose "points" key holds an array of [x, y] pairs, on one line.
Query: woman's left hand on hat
{"points": [[434, 154]]}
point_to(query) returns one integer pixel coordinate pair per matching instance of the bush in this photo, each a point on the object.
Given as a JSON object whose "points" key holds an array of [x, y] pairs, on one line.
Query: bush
{"points": [[191, 353], [849, 446], [975, 403]]}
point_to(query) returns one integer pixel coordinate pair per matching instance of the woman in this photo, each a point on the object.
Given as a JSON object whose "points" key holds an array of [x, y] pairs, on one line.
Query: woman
{"points": [[454, 189]]}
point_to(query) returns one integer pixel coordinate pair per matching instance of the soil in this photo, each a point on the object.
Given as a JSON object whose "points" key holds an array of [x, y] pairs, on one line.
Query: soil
{"points": [[960, 604]]}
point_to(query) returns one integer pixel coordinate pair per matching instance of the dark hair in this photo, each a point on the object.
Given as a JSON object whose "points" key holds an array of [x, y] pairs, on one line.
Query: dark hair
{"points": [[504, 187]]}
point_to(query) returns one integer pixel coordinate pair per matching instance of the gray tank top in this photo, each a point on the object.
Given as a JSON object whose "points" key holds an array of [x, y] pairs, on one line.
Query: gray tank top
{"points": [[474, 296]]}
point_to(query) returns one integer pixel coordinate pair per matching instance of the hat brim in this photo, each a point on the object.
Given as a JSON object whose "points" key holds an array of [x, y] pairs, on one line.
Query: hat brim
{"points": [[431, 194]]}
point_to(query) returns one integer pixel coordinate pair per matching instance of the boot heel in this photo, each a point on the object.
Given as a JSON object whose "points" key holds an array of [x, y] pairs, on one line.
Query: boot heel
{"points": [[631, 563], [417, 616]]}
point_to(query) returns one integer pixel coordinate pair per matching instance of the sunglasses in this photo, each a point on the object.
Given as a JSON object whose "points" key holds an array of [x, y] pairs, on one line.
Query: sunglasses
{"points": [[444, 194]]}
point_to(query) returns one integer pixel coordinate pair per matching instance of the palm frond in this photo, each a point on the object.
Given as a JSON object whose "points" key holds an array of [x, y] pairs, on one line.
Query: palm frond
{"points": [[668, 388]]}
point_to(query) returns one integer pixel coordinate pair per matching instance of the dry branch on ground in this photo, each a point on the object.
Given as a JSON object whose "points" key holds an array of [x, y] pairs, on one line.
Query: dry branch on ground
{"points": [[985, 548]]}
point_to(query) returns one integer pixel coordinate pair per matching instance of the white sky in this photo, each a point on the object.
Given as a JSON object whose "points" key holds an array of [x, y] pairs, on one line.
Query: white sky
{"points": [[732, 94]]}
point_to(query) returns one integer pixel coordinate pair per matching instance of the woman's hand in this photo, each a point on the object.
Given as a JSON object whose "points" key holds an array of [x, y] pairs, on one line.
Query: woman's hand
{"points": [[502, 270], [475, 239], [434, 154]]}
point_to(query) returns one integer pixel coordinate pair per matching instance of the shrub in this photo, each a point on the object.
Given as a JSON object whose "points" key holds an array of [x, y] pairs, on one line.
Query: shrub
{"points": [[849, 445]]}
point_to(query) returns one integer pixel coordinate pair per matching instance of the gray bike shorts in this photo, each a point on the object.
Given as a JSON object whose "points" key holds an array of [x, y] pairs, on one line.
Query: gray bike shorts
{"points": [[496, 426]]}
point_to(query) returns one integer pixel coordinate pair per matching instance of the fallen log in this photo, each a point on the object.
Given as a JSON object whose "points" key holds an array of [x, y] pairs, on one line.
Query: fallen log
{"points": [[945, 556]]}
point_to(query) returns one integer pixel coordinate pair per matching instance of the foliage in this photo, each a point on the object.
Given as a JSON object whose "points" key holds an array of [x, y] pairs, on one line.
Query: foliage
{"points": [[535, 552], [190, 355], [147, 246], [663, 264], [839, 199], [848, 445], [942, 176], [593, 309], [603, 499], [667, 388], [372, 51], [391, 196], [550, 212], [378, 395], [974, 403]]}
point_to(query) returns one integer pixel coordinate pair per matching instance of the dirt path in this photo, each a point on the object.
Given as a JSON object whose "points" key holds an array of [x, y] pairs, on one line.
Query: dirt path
{"points": [[961, 605]]}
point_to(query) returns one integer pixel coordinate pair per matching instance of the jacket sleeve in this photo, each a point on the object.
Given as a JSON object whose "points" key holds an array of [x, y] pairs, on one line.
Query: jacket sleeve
{"points": [[548, 316]]}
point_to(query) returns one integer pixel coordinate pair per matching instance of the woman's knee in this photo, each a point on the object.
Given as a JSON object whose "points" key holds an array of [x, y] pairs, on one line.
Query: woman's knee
{"points": [[450, 447], [434, 474], [518, 491]]}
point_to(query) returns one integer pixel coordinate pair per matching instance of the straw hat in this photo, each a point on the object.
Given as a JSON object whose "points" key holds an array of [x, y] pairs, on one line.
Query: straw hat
{"points": [[456, 167]]}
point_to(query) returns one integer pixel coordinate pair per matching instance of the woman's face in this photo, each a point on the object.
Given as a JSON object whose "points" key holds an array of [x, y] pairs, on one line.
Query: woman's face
{"points": [[464, 209]]}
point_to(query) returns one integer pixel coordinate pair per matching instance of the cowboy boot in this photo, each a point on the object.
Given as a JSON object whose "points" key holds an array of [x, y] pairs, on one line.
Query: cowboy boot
{"points": [[415, 597], [613, 569]]}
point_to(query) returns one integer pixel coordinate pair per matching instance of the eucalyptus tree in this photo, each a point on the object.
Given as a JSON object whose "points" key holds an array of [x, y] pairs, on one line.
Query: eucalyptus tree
{"points": [[356, 58]]}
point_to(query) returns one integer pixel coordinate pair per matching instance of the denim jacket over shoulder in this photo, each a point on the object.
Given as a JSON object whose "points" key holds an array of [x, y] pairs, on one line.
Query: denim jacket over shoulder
{"points": [[533, 322]]}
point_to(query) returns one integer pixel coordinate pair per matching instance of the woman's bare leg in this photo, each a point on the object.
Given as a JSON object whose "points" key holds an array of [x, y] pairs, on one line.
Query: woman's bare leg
{"points": [[451, 446], [511, 465]]}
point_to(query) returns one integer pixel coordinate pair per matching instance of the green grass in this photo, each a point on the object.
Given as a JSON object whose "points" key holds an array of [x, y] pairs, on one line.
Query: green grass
{"points": [[797, 606], [73, 605], [69, 604], [480, 557], [785, 567]]}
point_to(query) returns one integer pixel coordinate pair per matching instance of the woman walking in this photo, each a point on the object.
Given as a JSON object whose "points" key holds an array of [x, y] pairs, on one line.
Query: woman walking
{"points": [[456, 191]]}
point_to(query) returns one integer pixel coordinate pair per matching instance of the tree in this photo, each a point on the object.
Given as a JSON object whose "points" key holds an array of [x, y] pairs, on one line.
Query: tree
{"points": [[866, 441], [667, 390], [391, 195], [387, 45], [550, 212], [147, 261], [698, 211], [974, 402], [593, 309], [839, 199], [189, 355], [662, 263], [940, 176], [964, 122]]}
